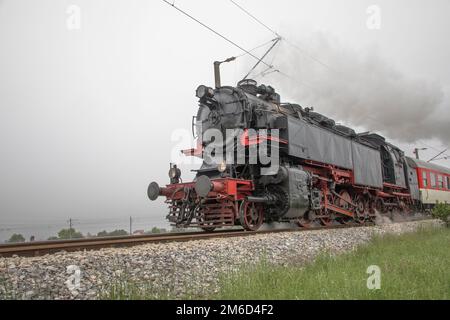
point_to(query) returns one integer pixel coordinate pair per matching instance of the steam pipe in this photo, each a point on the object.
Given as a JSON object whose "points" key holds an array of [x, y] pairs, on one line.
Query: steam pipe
{"points": [[217, 71], [217, 74], [263, 199]]}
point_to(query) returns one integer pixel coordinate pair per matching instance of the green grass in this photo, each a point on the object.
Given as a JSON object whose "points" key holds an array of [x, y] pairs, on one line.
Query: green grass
{"points": [[413, 266], [126, 289]]}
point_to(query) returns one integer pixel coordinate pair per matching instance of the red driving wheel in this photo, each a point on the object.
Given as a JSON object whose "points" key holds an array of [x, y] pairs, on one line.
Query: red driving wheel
{"points": [[251, 215]]}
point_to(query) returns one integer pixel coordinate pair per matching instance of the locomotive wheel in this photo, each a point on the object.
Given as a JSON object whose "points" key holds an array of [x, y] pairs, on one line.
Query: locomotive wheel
{"points": [[324, 218], [380, 207], [208, 229], [326, 221], [346, 220], [343, 202], [404, 208], [360, 215], [372, 212], [204, 225], [307, 220], [304, 223], [251, 215]]}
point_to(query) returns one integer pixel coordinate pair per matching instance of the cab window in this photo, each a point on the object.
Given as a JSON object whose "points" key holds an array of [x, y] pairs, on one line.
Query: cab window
{"points": [[433, 180], [424, 179], [440, 182]]}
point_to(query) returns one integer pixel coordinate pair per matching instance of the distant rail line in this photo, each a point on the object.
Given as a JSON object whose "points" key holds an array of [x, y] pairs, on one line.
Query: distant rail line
{"points": [[40, 248]]}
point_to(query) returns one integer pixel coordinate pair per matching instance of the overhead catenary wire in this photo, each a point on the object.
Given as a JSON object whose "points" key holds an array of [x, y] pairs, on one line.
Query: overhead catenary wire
{"points": [[282, 37], [265, 72], [443, 158], [215, 32], [301, 83], [256, 48], [309, 55], [301, 50], [275, 52], [434, 148], [255, 18], [260, 60], [440, 153]]}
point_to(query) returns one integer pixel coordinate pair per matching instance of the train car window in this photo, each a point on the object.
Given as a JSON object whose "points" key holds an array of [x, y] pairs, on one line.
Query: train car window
{"points": [[424, 178], [433, 180], [440, 182], [447, 182]]}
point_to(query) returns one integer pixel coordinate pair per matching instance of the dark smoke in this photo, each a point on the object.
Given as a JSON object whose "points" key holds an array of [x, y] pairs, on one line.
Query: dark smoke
{"points": [[362, 89]]}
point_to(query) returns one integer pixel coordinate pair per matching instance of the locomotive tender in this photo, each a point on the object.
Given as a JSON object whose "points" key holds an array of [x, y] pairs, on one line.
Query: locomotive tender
{"points": [[325, 173]]}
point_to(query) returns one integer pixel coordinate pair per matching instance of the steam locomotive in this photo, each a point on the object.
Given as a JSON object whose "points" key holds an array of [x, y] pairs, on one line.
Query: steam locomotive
{"points": [[319, 172]]}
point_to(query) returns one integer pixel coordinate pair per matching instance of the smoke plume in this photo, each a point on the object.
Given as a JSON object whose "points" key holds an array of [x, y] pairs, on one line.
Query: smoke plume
{"points": [[361, 89]]}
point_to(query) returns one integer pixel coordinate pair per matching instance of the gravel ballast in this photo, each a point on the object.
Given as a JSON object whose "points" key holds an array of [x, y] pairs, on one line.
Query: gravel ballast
{"points": [[178, 268]]}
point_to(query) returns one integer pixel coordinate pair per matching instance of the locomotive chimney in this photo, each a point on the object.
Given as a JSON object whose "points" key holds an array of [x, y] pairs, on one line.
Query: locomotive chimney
{"points": [[217, 74], [217, 70]]}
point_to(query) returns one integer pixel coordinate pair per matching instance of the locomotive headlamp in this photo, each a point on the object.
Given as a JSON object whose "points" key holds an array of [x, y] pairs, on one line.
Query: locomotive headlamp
{"points": [[174, 174], [222, 166], [204, 91]]}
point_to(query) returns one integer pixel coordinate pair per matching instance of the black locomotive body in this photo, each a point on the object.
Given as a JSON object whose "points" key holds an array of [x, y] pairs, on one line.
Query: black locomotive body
{"points": [[282, 162]]}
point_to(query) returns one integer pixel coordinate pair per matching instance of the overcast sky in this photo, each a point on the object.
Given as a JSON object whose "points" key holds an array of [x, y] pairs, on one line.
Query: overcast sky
{"points": [[87, 115]]}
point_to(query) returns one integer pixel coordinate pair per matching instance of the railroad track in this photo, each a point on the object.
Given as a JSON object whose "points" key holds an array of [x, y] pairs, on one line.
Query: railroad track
{"points": [[39, 248]]}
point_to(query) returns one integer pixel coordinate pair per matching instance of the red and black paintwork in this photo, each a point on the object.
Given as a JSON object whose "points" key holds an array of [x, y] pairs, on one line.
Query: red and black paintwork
{"points": [[361, 175]]}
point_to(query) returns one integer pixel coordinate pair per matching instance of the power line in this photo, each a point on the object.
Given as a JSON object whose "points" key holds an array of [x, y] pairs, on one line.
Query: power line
{"points": [[308, 55], [276, 50], [443, 158], [260, 60], [265, 72], [215, 32], [235, 44], [278, 35], [434, 148], [255, 48], [434, 158], [311, 57], [254, 18], [299, 82], [429, 146]]}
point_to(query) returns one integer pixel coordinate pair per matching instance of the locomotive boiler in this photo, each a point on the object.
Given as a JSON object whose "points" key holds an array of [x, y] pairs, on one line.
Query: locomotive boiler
{"points": [[267, 161]]}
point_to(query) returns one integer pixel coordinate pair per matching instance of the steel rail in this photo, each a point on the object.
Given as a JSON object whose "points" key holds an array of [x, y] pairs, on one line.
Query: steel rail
{"points": [[40, 248]]}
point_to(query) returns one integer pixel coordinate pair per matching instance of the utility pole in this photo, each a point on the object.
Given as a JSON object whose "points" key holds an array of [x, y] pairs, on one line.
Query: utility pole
{"points": [[131, 224], [416, 152], [70, 228]]}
